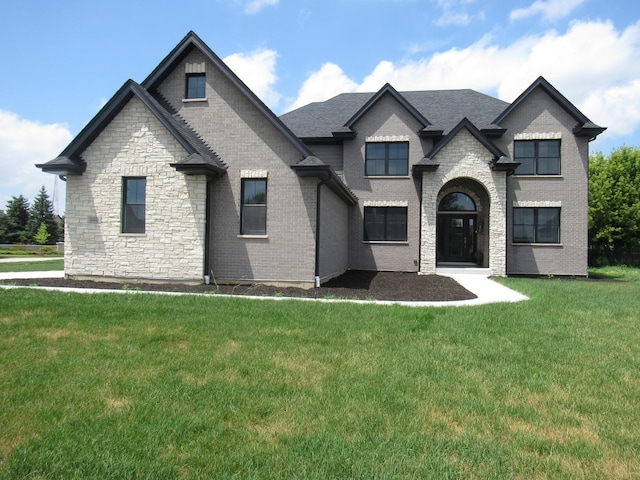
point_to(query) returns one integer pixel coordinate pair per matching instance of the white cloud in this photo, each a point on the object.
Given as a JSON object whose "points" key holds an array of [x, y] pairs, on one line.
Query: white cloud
{"points": [[24, 143], [255, 6], [257, 70], [454, 12], [549, 9], [593, 64], [327, 82]]}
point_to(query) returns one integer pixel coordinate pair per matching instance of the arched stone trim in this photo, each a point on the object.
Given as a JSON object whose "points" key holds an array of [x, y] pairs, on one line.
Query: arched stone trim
{"points": [[465, 157], [467, 191]]}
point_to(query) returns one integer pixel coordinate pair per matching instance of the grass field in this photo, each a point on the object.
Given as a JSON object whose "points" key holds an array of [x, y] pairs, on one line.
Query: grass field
{"points": [[141, 386], [31, 266]]}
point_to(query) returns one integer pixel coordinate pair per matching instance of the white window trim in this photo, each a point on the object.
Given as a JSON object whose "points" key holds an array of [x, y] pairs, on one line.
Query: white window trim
{"points": [[538, 136]]}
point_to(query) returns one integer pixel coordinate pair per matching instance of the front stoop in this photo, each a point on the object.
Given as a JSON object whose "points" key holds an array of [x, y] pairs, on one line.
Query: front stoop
{"points": [[463, 270]]}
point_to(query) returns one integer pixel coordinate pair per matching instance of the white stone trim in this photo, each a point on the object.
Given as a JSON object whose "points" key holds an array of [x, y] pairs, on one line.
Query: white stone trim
{"points": [[194, 67], [538, 204], [386, 203], [538, 136], [387, 138], [253, 173]]}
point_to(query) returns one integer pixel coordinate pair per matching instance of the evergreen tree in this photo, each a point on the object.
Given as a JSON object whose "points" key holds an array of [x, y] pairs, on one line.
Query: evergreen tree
{"points": [[16, 220], [3, 227], [42, 212]]}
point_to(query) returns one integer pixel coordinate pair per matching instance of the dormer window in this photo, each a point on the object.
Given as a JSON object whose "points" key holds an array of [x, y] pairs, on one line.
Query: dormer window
{"points": [[196, 83]]}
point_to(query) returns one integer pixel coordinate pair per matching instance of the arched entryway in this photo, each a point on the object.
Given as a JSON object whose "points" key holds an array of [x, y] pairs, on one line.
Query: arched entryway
{"points": [[462, 213]]}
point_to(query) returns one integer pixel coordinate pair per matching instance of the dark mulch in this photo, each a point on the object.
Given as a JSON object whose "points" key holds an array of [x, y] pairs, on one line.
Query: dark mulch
{"points": [[353, 284]]}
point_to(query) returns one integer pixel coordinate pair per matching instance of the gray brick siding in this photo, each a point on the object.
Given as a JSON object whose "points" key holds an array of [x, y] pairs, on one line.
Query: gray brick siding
{"points": [[245, 140], [334, 231], [538, 114], [386, 118]]}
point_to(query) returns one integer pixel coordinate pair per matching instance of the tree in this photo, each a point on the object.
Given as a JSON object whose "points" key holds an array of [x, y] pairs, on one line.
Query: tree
{"points": [[43, 235], [16, 219], [614, 198], [42, 212]]}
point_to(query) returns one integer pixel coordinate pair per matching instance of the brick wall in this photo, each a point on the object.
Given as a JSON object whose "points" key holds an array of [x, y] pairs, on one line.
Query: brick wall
{"points": [[172, 247], [334, 231], [245, 140], [540, 117], [385, 119]]}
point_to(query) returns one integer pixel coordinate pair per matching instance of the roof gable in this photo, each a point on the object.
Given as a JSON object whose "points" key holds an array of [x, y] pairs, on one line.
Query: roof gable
{"points": [[500, 160], [584, 127], [387, 89], [69, 161], [186, 45]]}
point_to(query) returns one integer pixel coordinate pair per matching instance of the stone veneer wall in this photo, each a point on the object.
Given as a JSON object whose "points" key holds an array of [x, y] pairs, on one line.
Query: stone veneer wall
{"points": [[464, 157], [135, 144]]}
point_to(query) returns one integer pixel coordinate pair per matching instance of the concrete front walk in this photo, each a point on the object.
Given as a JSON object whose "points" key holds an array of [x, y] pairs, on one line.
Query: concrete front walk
{"points": [[477, 282]]}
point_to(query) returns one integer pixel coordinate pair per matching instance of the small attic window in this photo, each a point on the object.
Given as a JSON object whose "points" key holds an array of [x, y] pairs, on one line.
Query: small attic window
{"points": [[195, 86]]}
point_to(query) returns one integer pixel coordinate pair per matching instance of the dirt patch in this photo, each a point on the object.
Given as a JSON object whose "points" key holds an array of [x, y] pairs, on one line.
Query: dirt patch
{"points": [[354, 284]]}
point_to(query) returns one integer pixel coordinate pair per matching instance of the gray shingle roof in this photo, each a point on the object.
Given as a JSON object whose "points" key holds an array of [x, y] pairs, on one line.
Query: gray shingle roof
{"points": [[444, 109]]}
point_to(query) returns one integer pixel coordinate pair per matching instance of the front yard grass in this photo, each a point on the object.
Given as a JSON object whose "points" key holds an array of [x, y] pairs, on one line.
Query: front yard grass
{"points": [[147, 386], [31, 266]]}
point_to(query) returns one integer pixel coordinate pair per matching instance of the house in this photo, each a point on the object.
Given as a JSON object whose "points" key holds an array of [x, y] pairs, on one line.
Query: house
{"points": [[188, 175]]}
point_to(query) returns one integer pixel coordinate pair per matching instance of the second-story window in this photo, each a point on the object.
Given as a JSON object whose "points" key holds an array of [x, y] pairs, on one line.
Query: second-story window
{"points": [[537, 157], [390, 159], [196, 83]]}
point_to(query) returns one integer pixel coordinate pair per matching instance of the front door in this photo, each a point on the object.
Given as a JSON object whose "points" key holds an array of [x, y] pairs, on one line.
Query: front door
{"points": [[456, 238]]}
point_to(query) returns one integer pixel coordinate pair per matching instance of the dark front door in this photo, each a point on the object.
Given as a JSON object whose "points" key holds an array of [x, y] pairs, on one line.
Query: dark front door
{"points": [[456, 238]]}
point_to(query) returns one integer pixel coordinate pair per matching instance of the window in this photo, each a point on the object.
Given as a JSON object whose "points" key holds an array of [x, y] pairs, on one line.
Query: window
{"points": [[536, 225], [133, 204], [457, 202], [537, 157], [385, 224], [254, 207], [387, 159], [196, 83]]}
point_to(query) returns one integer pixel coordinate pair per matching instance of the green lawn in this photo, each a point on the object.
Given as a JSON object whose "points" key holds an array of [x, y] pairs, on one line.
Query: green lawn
{"points": [[142, 386], [31, 266]]}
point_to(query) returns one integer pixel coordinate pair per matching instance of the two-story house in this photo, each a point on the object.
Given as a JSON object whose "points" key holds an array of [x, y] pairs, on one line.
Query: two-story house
{"points": [[188, 175]]}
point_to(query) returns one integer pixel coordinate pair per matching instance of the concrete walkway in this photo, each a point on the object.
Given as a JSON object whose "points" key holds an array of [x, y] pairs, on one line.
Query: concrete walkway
{"points": [[474, 280]]}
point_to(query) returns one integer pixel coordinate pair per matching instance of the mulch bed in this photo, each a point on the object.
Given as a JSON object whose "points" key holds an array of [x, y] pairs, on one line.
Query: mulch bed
{"points": [[354, 284]]}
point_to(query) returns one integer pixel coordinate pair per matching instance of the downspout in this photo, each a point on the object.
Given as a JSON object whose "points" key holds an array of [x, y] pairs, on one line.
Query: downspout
{"points": [[317, 262], [207, 232]]}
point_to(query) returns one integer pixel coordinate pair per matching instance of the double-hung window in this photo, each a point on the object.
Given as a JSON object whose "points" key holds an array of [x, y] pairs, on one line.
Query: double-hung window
{"points": [[385, 224], [253, 219], [387, 159], [537, 157], [536, 225], [196, 85], [133, 204]]}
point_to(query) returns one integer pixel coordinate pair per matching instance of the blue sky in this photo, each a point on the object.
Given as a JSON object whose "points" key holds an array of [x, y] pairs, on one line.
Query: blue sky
{"points": [[61, 61]]}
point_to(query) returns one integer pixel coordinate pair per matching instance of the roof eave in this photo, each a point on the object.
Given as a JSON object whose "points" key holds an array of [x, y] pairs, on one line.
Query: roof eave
{"points": [[419, 168], [327, 175], [63, 166]]}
